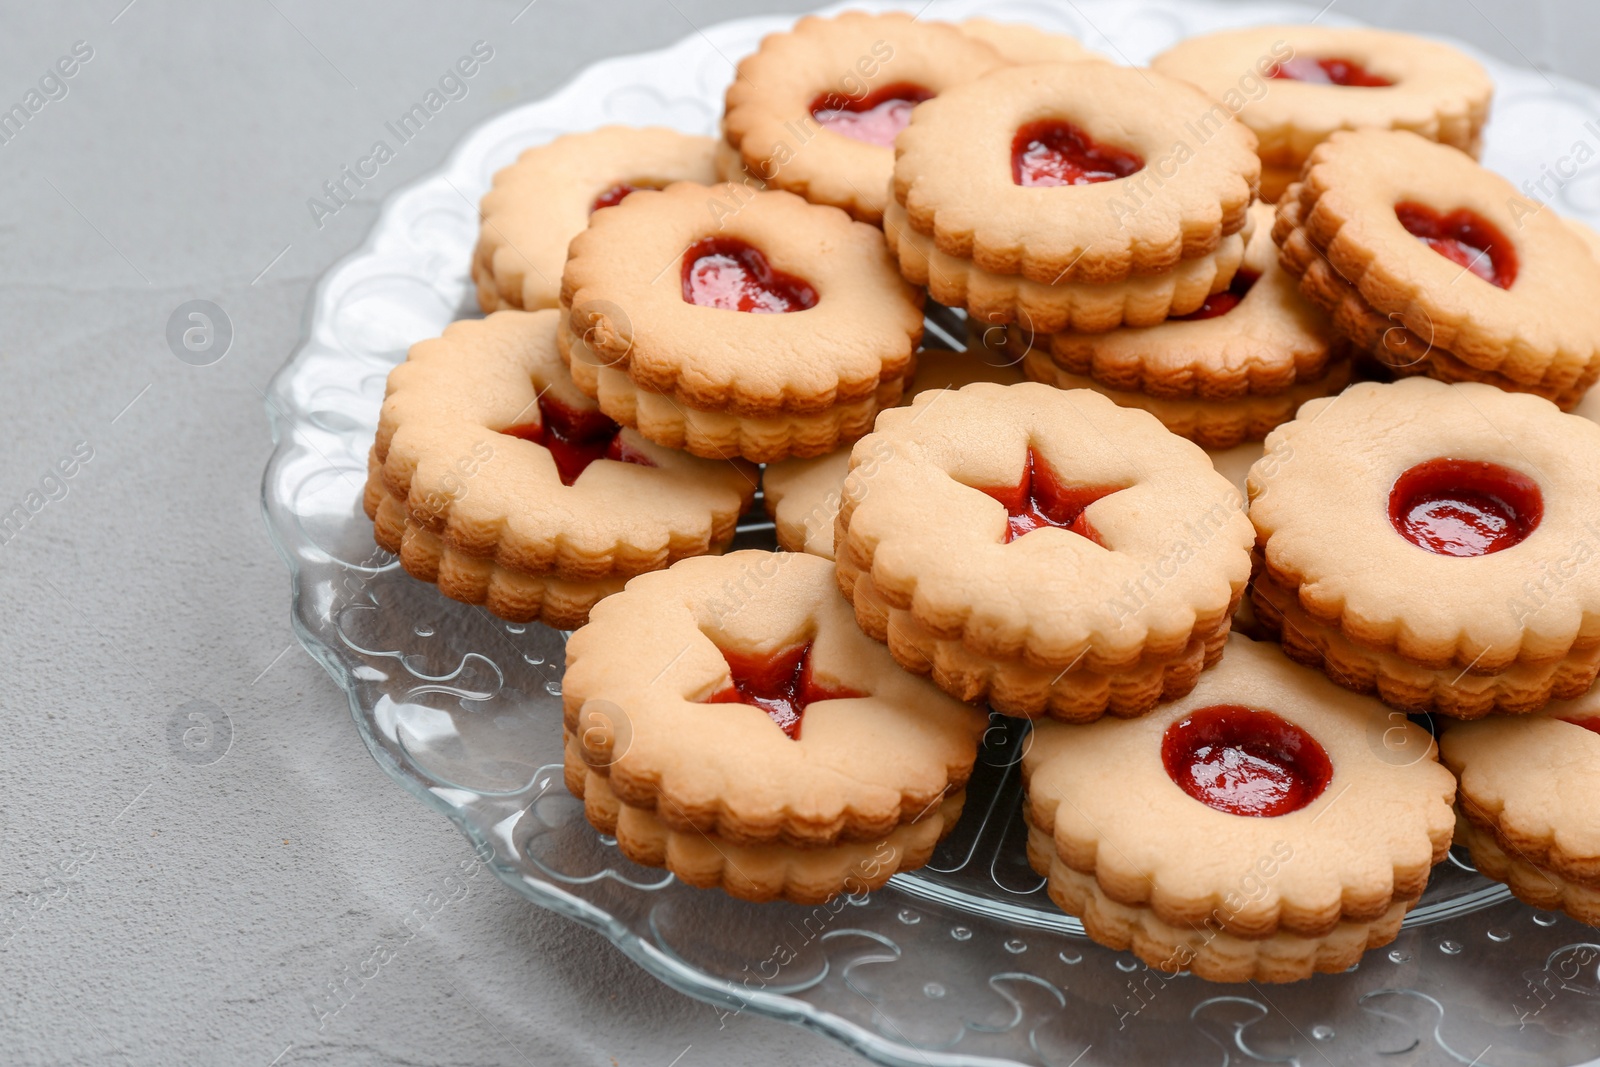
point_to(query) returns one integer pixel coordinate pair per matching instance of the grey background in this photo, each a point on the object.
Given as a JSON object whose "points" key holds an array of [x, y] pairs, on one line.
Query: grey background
{"points": [[190, 902]]}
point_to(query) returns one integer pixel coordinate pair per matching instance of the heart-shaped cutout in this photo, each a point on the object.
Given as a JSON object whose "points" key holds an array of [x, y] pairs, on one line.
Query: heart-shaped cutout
{"points": [[727, 273], [1329, 71], [1053, 152], [876, 118], [1465, 238]]}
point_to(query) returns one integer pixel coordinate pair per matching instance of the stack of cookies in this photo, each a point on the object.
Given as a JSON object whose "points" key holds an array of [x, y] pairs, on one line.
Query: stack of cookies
{"points": [[802, 724]]}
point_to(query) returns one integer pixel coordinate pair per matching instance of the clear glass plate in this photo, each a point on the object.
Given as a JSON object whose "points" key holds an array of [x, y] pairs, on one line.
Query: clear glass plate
{"points": [[967, 960]]}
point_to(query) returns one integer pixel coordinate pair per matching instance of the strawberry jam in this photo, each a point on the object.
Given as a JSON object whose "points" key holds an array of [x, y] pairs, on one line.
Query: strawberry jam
{"points": [[1465, 238], [727, 273], [876, 118], [780, 685], [1040, 500], [1052, 152], [615, 195], [1345, 72], [1245, 762], [1461, 507], [1219, 304], [576, 439]]}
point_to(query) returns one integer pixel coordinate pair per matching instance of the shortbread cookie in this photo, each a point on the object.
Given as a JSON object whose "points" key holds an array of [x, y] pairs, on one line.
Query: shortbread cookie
{"points": [[1587, 233], [816, 109], [493, 476], [1388, 342], [1294, 86], [1267, 813], [1208, 423], [1438, 245], [802, 495], [1041, 548], [1453, 691], [1067, 305], [1073, 172], [1258, 337], [1528, 787], [544, 200], [739, 700], [1532, 885], [1275, 181], [766, 329], [1019, 43], [1447, 523], [730, 167], [759, 871]]}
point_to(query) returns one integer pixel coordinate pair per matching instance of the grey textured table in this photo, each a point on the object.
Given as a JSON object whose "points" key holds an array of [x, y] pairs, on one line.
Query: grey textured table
{"points": [[274, 900]]}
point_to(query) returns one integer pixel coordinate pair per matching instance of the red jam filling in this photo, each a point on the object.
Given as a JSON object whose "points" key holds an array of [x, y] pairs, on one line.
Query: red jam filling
{"points": [[1461, 507], [1329, 72], [780, 685], [1040, 500], [727, 273], [1219, 304], [1465, 238], [1245, 762], [1592, 725], [1052, 152], [876, 118], [616, 195], [576, 439]]}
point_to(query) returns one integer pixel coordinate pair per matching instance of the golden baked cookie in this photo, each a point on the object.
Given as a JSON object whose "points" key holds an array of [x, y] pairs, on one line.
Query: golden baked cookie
{"points": [[1211, 424], [543, 200], [1041, 548], [1019, 43], [731, 322], [1038, 307], [733, 700], [1074, 172], [816, 109], [802, 495], [1435, 245], [1258, 337], [1446, 523], [1296, 85], [1452, 691], [1526, 801], [495, 478], [1272, 836]]}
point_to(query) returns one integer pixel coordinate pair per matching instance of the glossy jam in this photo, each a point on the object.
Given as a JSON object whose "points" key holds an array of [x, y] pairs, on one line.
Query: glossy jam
{"points": [[1465, 238], [1219, 304], [576, 439], [615, 195], [1052, 152], [1245, 762], [1345, 72], [727, 273], [1459, 507], [1040, 500], [876, 118], [780, 685]]}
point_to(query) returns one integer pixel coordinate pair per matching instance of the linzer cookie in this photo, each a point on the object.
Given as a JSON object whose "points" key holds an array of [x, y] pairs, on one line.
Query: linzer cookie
{"points": [[1426, 541], [544, 200], [1070, 196], [1526, 803], [802, 495], [816, 109], [1271, 839], [495, 478], [1042, 549], [736, 323], [1021, 44], [727, 720], [1437, 266], [1294, 86]]}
